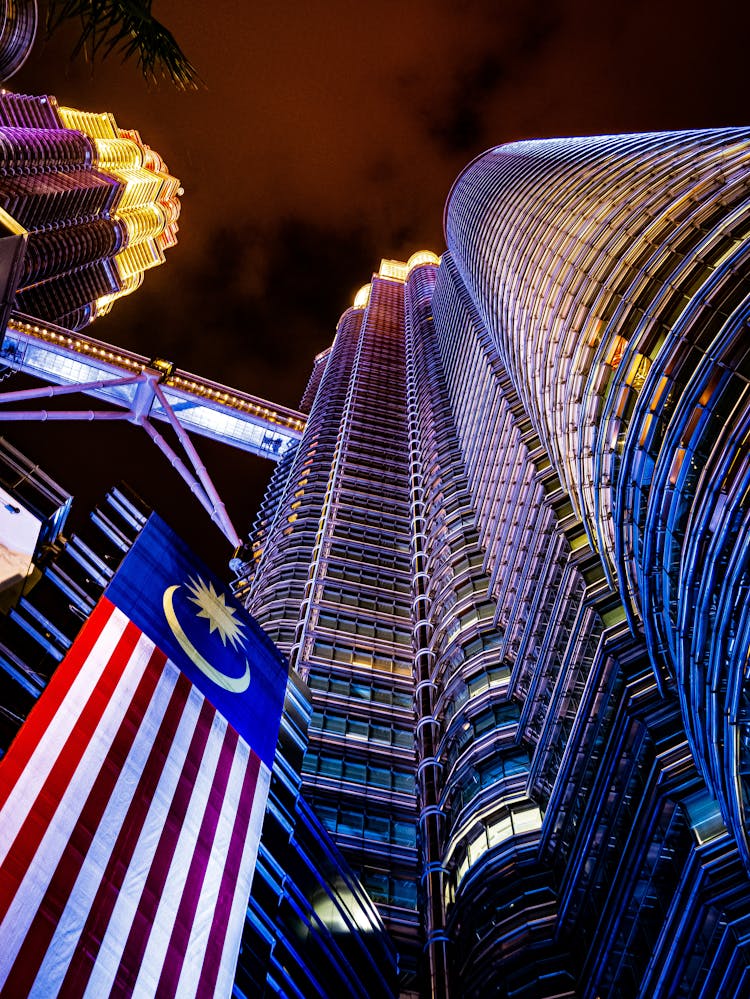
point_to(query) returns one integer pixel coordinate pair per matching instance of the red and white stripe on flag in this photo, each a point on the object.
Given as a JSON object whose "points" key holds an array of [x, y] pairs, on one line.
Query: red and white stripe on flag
{"points": [[130, 815]]}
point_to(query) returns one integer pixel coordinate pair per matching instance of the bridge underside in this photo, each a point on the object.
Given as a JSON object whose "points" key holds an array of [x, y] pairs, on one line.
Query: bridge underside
{"points": [[142, 390]]}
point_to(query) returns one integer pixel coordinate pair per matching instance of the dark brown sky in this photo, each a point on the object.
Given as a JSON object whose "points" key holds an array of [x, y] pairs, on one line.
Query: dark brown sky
{"points": [[327, 136]]}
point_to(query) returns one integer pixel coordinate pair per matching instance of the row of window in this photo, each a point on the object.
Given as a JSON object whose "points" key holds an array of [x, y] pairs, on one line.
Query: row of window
{"points": [[374, 628], [387, 890], [54, 298], [360, 658], [375, 601], [50, 150], [496, 676], [484, 774], [380, 558], [492, 832], [350, 822], [61, 249], [38, 201], [359, 772], [360, 691], [492, 718], [25, 111], [363, 730], [360, 575]]}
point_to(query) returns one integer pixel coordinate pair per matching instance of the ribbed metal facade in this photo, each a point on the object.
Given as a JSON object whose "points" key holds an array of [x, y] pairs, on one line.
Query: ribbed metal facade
{"points": [[613, 276], [333, 588]]}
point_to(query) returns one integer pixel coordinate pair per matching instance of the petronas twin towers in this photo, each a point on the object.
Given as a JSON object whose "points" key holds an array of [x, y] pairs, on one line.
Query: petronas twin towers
{"points": [[510, 559]]}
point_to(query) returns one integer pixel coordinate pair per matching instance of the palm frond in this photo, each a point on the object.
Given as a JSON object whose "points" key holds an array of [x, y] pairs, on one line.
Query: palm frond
{"points": [[127, 28]]}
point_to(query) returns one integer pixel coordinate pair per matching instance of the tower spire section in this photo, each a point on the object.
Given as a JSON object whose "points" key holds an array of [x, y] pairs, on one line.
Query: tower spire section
{"points": [[86, 208]]}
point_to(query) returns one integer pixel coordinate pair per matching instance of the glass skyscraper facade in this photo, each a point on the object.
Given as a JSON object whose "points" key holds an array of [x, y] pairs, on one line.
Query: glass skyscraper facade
{"points": [[344, 569], [510, 558]]}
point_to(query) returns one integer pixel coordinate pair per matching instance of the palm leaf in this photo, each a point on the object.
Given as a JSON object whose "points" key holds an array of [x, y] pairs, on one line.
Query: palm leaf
{"points": [[127, 28]]}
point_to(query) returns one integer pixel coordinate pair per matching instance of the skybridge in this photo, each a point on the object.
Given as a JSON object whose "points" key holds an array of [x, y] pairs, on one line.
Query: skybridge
{"points": [[142, 391]]}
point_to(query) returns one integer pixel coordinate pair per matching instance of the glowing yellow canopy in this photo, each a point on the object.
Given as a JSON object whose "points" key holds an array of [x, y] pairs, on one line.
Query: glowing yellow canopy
{"points": [[362, 297]]}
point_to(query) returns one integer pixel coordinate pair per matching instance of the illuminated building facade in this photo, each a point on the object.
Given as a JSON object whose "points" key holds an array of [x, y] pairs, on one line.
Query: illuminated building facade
{"points": [[95, 205], [507, 555], [510, 558], [357, 604]]}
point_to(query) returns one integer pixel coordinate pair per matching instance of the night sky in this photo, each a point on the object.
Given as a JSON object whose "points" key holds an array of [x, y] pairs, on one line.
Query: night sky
{"points": [[326, 136]]}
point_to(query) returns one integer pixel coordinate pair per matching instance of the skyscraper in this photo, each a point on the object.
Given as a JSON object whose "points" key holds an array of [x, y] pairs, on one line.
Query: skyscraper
{"points": [[510, 558], [507, 558], [95, 205]]}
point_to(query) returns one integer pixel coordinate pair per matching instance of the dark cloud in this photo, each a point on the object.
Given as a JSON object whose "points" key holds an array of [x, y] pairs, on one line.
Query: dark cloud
{"points": [[511, 44], [457, 123], [254, 307]]}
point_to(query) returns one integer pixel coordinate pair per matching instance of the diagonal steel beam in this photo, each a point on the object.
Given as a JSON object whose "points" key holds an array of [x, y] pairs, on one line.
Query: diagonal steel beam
{"points": [[45, 415], [222, 517], [47, 391], [219, 517]]}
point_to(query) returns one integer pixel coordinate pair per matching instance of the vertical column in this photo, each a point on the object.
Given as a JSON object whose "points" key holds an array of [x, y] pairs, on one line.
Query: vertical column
{"points": [[419, 289]]}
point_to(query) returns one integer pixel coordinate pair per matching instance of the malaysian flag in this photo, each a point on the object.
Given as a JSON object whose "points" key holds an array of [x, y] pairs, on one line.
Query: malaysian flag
{"points": [[131, 802]]}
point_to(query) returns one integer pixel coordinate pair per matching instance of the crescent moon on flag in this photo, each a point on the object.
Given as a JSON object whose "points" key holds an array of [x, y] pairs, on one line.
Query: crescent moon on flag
{"points": [[233, 685]]}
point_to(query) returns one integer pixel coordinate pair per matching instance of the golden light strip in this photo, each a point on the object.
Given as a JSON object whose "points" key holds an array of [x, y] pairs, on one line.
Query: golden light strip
{"points": [[228, 399]]}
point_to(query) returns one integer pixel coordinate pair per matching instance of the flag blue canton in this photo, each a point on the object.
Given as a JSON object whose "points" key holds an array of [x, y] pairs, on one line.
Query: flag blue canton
{"points": [[192, 617]]}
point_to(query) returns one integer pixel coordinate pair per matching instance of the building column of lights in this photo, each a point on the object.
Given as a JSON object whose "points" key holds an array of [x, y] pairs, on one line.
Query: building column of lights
{"points": [[333, 587], [426, 691], [518, 630]]}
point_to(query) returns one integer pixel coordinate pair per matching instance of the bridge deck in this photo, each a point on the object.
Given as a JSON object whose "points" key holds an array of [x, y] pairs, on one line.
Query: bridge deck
{"points": [[61, 357]]}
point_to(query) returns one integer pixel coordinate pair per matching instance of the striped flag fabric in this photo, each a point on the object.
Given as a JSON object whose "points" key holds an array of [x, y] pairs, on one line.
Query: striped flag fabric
{"points": [[131, 801]]}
